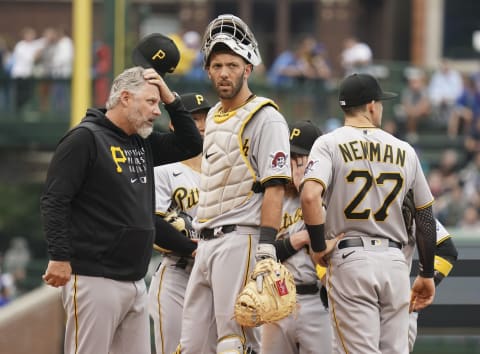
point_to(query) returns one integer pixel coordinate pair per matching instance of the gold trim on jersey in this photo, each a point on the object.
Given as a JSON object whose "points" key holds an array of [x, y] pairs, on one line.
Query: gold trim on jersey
{"points": [[446, 237], [331, 304], [160, 326], [425, 205], [75, 304], [316, 180], [442, 265]]}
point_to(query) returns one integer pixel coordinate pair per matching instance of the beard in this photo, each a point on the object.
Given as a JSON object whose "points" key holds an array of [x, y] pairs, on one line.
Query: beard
{"points": [[233, 90], [142, 128]]}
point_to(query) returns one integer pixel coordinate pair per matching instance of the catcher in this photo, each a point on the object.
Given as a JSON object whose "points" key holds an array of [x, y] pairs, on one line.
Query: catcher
{"points": [[308, 330], [445, 256]]}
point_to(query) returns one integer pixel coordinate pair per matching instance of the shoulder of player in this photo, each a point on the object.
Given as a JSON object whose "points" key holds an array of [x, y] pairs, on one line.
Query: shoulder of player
{"points": [[165, 170]]}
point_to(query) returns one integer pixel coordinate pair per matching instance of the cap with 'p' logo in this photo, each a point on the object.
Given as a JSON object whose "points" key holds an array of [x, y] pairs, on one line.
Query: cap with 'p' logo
{"points": [[158, 52]]}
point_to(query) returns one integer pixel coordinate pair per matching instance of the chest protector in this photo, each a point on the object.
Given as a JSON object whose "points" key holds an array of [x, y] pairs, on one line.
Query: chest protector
{"points": [[227, 175]]}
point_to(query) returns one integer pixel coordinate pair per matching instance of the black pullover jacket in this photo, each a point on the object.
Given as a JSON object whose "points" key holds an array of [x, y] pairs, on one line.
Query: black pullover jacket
{"points": [[98, 201]]}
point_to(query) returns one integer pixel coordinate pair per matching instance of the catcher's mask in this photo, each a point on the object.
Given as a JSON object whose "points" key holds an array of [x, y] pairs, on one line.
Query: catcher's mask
{"points": [[235, 34]]}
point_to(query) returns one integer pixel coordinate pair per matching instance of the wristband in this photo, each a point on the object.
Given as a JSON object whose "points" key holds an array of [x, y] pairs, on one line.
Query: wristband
{"points": [[267, 234], [317, 237]]}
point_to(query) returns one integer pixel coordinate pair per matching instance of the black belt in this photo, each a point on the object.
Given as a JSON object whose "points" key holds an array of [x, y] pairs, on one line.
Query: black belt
{"points": [[182, 263], [208, 234], [358, 242], [307, 289]]}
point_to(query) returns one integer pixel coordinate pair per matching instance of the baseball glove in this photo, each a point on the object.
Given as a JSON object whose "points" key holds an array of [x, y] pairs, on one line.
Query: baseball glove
{"points": [[182, 222], [268, 296], [408, 211]]}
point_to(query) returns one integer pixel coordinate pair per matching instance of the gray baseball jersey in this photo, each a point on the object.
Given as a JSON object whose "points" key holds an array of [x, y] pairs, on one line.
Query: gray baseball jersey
{"points": [[308, 330], [366, 174], [222, 264], [176, 185]]}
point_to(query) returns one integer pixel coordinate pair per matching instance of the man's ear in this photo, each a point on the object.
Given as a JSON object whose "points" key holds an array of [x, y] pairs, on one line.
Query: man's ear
{"points": [[125, 96]]}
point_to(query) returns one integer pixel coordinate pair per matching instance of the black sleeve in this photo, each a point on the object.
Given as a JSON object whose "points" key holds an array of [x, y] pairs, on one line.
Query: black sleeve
{"points": [[66, 173], [284, 249], [446, 250], [168, 237], [426, 235], [181, 144]]}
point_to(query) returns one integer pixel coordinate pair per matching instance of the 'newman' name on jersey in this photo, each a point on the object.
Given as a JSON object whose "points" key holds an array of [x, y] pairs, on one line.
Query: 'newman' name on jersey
{"points": [[375, 152]]}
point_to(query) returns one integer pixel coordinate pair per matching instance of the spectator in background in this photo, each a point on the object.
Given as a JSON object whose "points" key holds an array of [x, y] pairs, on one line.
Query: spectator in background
{"points": [[197, 72], [444, 88], [470, 220], [5, 60], [24, 54], [43, 67], [415, 103], [188, 54], [356, 56], [292, 67], [470, 178], [101, 72], [62, 68], [466, 110]]}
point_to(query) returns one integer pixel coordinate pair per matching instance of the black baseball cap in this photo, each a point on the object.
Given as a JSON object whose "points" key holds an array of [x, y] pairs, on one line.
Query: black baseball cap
{"points": [[358, 89], [302, 136], [195, 102], [158, 52]]}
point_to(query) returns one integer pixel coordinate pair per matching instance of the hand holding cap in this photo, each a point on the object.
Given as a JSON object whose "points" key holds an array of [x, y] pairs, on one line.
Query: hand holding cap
{"points": [[158, 52]]}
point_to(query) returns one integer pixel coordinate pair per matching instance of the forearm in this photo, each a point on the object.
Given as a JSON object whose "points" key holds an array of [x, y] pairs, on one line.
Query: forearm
{"points": [[169, 238], [271, 211], [311, 199], [184, 126], [426, 240]]}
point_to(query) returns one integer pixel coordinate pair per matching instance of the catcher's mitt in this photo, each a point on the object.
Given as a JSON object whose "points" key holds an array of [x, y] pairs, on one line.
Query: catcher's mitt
{"points": [[408, 211], [269, 295]]}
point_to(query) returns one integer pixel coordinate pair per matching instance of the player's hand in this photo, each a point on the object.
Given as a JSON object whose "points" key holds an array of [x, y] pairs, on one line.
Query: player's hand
{"points": [[423, 293], [154, 78], [58, 273], [298, 169], [194, 253], [323, 256], [299, 239]]}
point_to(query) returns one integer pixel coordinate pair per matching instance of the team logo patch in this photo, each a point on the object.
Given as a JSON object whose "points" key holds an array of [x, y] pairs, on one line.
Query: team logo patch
{"points": [[279, 160], [311, 166]]}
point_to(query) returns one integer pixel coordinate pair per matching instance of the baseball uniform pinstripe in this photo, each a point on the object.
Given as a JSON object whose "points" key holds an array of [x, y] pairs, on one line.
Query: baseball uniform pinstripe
{"points": [[369, 284], [302, 331]]}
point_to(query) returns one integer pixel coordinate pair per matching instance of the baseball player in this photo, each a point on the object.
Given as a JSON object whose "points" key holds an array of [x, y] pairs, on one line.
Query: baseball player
{"points": [[176, 188], [362, 174], [445, 257], [308, 330], [245, 167]]}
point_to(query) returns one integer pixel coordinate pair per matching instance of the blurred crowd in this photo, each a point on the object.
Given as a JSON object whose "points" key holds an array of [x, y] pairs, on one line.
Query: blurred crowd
{"points": [[13, 267]]}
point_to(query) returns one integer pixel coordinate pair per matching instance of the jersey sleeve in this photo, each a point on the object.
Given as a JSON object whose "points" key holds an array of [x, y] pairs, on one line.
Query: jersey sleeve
{"points": [[320, 163], [163, 197], [65, 177], [421, 190], [273, 147]]}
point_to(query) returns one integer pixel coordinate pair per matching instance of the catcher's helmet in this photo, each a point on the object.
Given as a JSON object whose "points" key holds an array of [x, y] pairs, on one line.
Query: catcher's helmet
{"points": [[235, 34]]}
